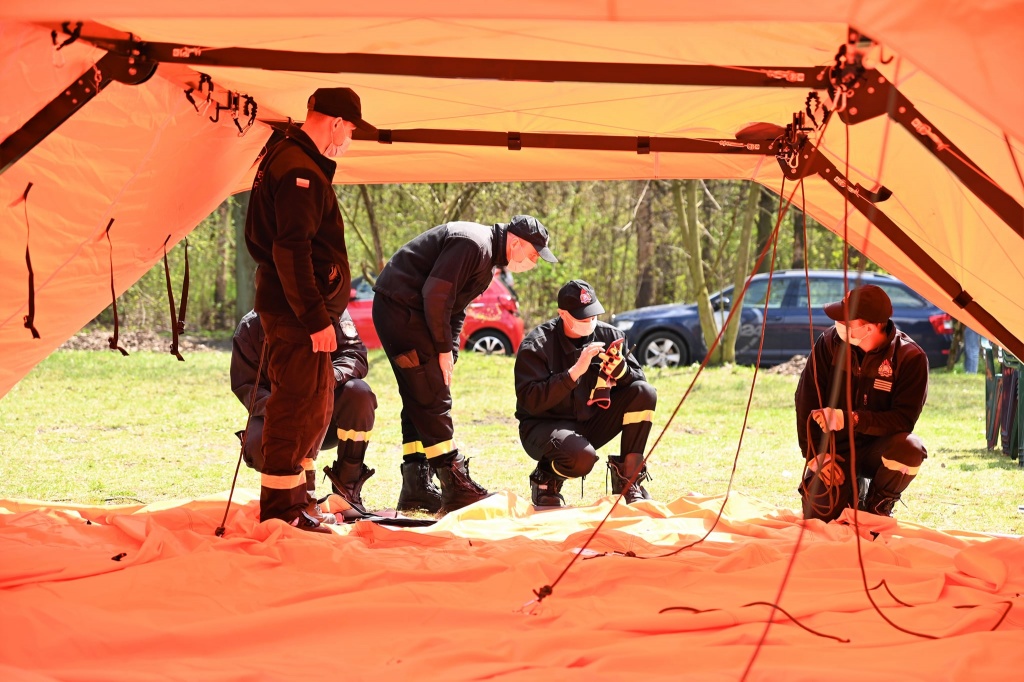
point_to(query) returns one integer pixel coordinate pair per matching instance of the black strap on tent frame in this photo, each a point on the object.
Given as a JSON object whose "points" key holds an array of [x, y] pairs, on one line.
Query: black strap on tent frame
{"points": [[177, 321], [30, 319], [112, 342]]}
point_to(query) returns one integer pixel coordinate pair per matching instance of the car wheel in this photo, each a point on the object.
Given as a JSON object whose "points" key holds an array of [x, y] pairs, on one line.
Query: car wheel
{"points": [[663, 349], [489, 342]]}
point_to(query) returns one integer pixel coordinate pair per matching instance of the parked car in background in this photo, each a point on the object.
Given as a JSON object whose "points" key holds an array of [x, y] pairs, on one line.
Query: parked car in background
{"points": [[670, 335], [493, 323]]}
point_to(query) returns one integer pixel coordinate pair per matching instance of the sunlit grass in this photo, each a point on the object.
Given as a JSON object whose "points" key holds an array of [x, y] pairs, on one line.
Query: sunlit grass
{"points": [[93, 427]]}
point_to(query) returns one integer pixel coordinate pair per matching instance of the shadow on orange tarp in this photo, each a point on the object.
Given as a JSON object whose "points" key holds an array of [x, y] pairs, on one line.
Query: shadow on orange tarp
{"points": [[149, 592]]}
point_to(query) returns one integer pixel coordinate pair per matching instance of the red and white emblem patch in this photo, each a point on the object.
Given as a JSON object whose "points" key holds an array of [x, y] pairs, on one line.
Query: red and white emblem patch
{"points": [[302, 182], [885, 369], [585, 297]]}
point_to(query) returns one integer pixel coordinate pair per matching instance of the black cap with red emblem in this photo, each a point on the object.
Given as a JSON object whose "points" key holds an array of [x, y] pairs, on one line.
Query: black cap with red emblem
{"points": [[579, 300]]}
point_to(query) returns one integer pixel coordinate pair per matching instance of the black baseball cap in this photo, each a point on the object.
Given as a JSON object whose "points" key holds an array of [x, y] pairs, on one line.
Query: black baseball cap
{"points": [[338, 102], [579, 300], [867, 302], [529, 228]]}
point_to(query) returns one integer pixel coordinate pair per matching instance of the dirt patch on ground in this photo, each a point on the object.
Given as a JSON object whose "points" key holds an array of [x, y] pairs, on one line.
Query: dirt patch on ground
{"points": [[132, 341], [792, 367]]}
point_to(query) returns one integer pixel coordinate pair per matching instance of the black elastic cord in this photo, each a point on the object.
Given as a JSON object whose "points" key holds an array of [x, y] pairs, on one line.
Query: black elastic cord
{"points": [[113, 297], [31, 317], [170, 299], [775, 607]]}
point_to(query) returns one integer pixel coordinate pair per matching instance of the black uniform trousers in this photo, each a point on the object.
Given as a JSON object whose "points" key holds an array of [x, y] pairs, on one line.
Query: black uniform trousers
{"points": [[571, 446], [350, 428], [296, 414], [891, 462], [426, 400]]}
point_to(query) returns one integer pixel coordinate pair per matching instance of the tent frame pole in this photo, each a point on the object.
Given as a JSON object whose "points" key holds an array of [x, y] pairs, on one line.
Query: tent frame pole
{"points": [[873, 91], [811, 162]]}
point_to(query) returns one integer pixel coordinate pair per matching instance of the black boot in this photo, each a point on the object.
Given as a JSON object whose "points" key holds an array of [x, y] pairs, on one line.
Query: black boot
{"points": [[347, 478], [627, 467], [884, 491], [458, 490], [546, 487], [418, 490], [304, 521]]}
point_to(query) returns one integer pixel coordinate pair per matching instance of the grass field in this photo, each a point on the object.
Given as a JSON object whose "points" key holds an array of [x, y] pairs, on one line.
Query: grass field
{"points": [[94, 427]]}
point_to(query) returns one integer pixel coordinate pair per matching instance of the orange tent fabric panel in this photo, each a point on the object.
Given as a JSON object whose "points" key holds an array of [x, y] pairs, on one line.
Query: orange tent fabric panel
{"points": [[445, 603]]}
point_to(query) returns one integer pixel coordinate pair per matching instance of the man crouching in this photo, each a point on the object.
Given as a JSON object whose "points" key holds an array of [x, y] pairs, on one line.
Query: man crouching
{"points": [[577, 387]]}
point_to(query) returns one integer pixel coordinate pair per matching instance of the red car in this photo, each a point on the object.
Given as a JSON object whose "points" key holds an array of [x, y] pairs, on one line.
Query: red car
{"points": [[493, 324]]}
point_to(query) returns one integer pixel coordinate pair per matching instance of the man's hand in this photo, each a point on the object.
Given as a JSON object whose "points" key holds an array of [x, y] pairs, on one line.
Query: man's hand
{"points": [[325, 340], [447, 364], [829, 419], [588, 353]]}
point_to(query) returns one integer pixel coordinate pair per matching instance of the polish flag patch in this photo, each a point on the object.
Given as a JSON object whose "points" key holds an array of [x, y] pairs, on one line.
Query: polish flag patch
{"points": [[585, 297], [302, 182]]}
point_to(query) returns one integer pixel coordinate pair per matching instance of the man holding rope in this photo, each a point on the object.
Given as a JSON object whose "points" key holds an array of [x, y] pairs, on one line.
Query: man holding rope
{"points": [[577, 387], [888, 382]]}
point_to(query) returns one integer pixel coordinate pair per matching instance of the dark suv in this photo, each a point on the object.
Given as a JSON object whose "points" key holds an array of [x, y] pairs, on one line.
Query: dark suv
{"points": [[670, 335]]}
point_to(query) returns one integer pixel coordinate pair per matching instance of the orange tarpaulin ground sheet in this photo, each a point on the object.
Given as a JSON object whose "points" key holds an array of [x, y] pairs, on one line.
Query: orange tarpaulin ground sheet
{"points": [[370, 603]]}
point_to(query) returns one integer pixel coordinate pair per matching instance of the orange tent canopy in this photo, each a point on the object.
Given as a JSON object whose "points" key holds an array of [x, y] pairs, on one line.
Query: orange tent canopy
{"points": [[590, 83]]}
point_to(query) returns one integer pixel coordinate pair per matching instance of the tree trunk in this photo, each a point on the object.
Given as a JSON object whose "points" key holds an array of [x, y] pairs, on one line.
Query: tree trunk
{"points": [[371, 215], [691, 231], [646, 285], [797, 262], [245, 266], [740, 277], [766, 217], [220, 287]]}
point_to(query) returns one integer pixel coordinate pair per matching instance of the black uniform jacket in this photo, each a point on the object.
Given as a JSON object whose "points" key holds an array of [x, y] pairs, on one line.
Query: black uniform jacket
{"points": [[349, 359], [544, 389], [889, 387], [440, 272], [296, 236]]}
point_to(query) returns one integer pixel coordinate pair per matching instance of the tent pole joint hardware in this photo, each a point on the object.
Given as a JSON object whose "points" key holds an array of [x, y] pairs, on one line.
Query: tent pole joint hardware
{"points": [[384, 135], [862, 202], [963, 299], [643, 145], [515, 142], [131, 70]]}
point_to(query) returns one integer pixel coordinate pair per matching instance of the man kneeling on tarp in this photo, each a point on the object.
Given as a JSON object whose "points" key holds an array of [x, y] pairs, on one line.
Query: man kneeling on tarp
{"points": [[577, 387], [889, 386], [351, 421]]}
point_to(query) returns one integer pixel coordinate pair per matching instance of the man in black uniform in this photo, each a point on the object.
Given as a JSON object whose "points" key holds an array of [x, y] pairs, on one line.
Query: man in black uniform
{"points": [[889, 384], [352, 418], [294, 231], [418, 311], [577, 387]]}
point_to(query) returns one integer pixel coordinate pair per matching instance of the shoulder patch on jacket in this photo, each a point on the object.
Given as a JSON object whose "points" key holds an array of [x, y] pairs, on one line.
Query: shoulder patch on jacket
{"points": [[302, 182]]}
